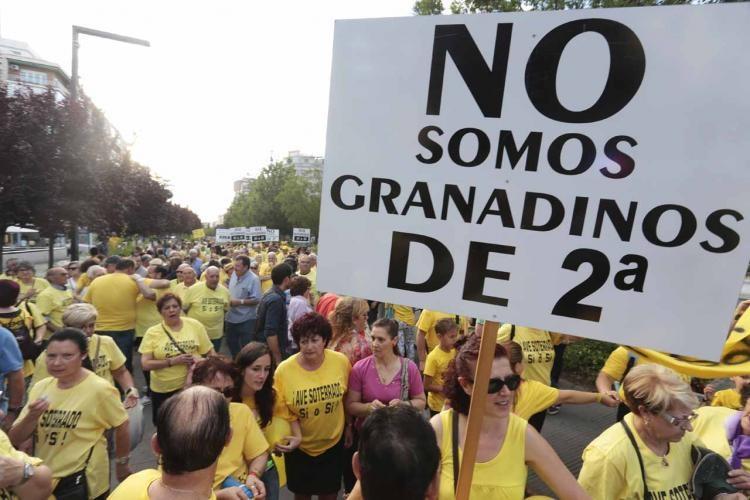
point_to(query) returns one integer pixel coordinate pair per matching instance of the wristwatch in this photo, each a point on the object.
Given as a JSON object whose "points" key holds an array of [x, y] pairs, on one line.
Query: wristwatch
{"points": [[28, 473], [132, 390], [14, 409]]}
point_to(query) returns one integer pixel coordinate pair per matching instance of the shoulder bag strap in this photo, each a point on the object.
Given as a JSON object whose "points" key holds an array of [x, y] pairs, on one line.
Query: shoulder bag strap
{"points": [[512, 332], [174, 342], [454, 444], [95, 361], [404, 380], [646, 494]]}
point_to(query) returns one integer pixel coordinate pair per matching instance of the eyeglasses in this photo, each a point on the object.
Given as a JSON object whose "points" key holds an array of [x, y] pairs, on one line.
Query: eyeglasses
{"points": [[228, 392], [496, 384], [679, 421]]}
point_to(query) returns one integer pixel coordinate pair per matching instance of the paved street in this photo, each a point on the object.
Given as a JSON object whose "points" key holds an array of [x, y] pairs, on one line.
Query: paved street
{"points": [[568, 432]]}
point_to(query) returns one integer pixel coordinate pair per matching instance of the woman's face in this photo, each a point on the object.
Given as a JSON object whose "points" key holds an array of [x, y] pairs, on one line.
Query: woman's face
{"points": [[360, 320], [664, 430], [170, 311], [499, 404], [382, 343], [26, 275], [257, 373], [64, 358], [311, 347]]}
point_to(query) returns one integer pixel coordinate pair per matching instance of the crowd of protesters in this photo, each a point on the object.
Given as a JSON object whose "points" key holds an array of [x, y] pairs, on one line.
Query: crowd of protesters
{"points": [[258, 380]]}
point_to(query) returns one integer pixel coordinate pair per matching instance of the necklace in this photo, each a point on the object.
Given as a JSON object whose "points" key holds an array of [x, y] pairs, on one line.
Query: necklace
{"points": [[384, 379]]}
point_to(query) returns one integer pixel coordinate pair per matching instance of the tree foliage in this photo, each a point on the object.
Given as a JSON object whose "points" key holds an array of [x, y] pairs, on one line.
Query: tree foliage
{"points": [[428, 7], [278, 199], [62, 165]]}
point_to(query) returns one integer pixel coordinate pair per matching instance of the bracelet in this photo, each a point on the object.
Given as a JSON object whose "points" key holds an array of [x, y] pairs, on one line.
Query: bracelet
{"points": [[599, 397], [123, 460], [253, 473], [169, 361], [132, 390], [14, 409]]}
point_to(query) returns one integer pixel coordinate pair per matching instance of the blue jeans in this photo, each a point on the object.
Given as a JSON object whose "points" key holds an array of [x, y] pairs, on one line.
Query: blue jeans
{"points": [[271, 481], [125, 340], [217, 344], [407, 341], [238, 335]]}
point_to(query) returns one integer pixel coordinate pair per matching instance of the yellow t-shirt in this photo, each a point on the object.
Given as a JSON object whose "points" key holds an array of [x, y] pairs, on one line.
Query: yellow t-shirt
{"points": [[146, 313], [435, 366], [617, 363], [611, 470], [83, 282], [533, 397], [313, 277], [403, 313], [427, 322], [114, 297], [501, 478], [180, 289], [247, 443], [38, 284], [110, 359], [192, 338], [538, 350], [315, 398], [729, 398], [74, 423], [52, 303], [207, 306], [710, 430], [265, 269], [7, 450], [136, 487]]}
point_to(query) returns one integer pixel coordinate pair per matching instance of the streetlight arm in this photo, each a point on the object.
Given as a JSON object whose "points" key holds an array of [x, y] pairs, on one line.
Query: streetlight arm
{"points": [[111, 36]]}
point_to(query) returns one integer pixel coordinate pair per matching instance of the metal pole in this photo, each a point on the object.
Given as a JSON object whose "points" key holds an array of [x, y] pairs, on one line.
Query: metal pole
{"points": [[74, 100], [74, 97]]}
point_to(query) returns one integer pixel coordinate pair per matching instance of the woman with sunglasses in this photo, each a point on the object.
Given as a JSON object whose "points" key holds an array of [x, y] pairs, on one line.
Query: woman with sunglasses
{"points": [[649, 453], [243, 460], [508, 445]]}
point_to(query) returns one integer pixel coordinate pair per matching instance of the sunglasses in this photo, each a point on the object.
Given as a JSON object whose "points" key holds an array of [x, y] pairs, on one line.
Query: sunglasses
{"points": [[227, 392], [496, 384]]}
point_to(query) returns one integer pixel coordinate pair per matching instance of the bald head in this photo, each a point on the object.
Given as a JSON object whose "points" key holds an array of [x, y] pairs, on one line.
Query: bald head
{"points": [[192, 428], [212, 277], [57, 276]]}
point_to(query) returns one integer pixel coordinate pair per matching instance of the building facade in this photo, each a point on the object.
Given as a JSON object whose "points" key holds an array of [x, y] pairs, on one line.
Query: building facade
{"points": [[21, 68]]}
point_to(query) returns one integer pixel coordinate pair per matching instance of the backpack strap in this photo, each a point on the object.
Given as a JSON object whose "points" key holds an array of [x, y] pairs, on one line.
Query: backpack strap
{"points": [[646, 494], [512, 332]]}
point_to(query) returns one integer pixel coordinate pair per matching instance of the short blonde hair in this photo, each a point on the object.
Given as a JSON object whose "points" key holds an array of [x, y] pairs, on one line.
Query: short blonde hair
{"points": [[94, 271], [656, 388], [78, 315]]}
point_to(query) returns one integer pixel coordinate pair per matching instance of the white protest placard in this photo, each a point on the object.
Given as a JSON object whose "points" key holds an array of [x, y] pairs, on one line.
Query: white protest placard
{"points": [[272, 235], [300, 236], [258, 234], [238, 235], [222, 235], [582, 171]]}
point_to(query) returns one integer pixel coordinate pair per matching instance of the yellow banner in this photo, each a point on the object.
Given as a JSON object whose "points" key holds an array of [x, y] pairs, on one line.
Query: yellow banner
{"points": [[735, 358], [199, 233]]}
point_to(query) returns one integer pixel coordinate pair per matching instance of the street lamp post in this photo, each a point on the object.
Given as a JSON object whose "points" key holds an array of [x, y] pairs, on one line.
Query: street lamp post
{"points": [[74, 95]]}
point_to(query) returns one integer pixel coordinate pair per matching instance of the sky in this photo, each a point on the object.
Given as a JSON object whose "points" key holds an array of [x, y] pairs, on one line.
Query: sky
{"points": [[224, 87]]}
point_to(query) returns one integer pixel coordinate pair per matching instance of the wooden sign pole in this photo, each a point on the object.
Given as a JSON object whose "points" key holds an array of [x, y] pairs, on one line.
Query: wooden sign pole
{"points": [[476, 409]]}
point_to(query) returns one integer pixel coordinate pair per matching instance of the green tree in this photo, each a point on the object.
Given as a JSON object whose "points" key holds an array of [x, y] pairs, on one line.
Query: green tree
{"points": [[300, 200], [428, 7], [479, 6]]}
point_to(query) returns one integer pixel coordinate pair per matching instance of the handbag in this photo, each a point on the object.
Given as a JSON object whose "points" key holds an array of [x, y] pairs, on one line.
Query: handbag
{"points": [[29, 349], [74, 486]]}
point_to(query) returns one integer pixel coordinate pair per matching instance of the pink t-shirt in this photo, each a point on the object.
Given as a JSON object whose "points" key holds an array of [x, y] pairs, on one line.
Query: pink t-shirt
{"points": [[365, 380]]}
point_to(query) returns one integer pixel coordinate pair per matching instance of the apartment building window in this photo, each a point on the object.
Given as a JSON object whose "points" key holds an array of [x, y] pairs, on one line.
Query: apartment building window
{"points": [[37, 77]]}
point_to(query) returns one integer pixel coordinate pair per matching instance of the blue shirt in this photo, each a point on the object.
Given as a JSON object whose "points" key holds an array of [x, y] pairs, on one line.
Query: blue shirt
{"points": [[196, 265], [10, 361], [244, 287]]}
